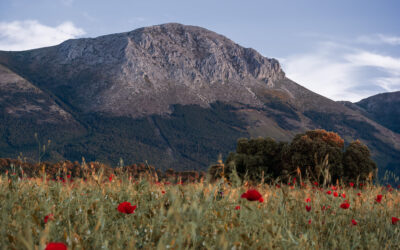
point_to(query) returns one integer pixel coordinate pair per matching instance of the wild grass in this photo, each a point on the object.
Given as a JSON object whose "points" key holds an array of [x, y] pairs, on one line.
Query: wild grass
{"points": [[192, 216]]}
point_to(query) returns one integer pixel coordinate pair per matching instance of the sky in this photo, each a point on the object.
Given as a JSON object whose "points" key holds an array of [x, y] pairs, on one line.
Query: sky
{"points": [[342, 49]]}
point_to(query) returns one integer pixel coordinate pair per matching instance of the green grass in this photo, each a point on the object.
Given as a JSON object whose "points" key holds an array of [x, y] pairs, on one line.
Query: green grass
{"points": [[194, 216]]}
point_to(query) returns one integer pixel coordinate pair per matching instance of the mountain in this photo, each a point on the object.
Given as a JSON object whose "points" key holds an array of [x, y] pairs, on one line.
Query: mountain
{"points": [[171, 94], [383, 108]]}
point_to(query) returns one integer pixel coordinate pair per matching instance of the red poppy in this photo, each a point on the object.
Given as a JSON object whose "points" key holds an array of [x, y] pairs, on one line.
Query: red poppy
{"points": [[354, 222], [126, 208], [359, 194], [56, 246], [308, 208], [309, 221], [345, 205], [329, 192], [395, 220], [351, 184], [335, 194], [378, 198], [261, 200], [69, 176], [163, 192], [278, 186], [237, 208], [315, 183], [343, 195], [252, 195], [294, 180], [111, 178], [308, 200], [48, 217], [334, 188]]}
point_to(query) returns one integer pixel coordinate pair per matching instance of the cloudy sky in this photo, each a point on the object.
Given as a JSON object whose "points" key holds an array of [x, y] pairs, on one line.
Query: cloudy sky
{"points": [[345, 50]]}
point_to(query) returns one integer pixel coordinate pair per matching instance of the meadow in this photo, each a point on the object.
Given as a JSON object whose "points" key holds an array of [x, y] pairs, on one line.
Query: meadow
{"points": [[93, 213]]}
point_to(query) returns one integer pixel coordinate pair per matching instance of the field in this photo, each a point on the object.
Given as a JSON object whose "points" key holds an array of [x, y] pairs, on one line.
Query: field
{"points": [[84, 214]]}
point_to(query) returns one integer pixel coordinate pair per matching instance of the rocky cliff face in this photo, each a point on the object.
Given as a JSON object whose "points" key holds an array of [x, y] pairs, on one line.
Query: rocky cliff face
{"points": [[145, 71], [172, 94]]}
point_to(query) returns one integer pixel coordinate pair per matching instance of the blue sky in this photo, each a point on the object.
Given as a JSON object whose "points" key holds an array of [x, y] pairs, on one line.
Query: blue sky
{"points": [[345, 50]]}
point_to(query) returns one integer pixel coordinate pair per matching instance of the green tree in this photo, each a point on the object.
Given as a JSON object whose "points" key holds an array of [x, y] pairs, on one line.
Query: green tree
{"points": [[309, 150], [256, 156], [357, 162]]}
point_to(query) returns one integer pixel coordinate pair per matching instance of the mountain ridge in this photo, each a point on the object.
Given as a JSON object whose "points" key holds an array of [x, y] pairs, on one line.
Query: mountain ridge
{"points": [[178, 95]]}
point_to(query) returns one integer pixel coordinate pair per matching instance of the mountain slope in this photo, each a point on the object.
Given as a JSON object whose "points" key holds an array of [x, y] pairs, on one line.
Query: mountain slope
{"points": [[383, 108], [178, 95]]}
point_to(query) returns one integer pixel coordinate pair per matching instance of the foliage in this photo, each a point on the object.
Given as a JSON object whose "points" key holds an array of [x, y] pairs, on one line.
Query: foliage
{"points": [[315, 154], [308, 150], [357, 162], [256, 156]]}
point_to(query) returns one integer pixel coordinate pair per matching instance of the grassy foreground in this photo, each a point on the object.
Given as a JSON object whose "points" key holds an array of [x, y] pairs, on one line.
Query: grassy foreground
{"points": [[198, 216]]}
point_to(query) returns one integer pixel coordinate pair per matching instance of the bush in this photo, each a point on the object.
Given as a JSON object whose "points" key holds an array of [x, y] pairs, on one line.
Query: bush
{"points": [[357, 162], [318, 154], [256, 156], [309, 150]]}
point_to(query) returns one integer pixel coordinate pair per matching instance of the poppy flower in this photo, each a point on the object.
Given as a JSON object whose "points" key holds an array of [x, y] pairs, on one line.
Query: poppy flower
{"points": [[252, 195], [334, 188], [308, 208], [56, 246], [294, 180], [354, 222], [351, 184], [111, 178], [345, 205], [309, 221], [359, 194], [163, 192], [343, 195], [329, 192], [278, 186], [335, 194], [261, 200], [378, 198], [308, 200], [237, 208], [126, 208], [315, 183], [48, 217], [395, 220]]}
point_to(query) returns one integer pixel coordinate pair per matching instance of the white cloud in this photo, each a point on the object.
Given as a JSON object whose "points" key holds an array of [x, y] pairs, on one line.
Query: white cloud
{"points": [[379, 39], [365, 58], [342, 72], [30, 34]]}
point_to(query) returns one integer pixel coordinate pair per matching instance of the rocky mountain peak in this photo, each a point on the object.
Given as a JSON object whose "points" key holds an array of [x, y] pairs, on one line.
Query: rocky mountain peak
{"points": [[125, 73], [213, 57]]}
